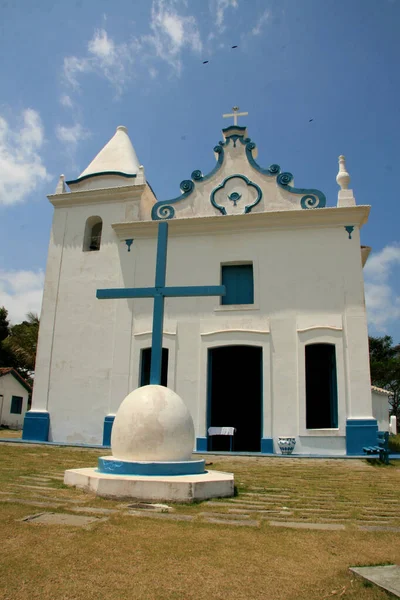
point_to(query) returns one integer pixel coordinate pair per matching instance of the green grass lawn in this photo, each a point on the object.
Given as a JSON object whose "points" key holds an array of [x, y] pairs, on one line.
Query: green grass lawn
{"points": [[129, 557]]}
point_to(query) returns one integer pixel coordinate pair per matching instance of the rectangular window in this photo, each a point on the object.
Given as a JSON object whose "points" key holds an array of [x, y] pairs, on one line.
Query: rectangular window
{"points": [[146, 365], [16, 405], [321, 387], [238, 280]]}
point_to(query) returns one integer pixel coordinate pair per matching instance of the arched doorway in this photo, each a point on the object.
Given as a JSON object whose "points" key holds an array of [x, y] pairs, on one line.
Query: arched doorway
{"points": [[235, 396]]}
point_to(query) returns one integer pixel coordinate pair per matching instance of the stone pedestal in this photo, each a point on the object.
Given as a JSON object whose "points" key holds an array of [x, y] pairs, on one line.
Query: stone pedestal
{"points": [[152, 441], [173, 488]]}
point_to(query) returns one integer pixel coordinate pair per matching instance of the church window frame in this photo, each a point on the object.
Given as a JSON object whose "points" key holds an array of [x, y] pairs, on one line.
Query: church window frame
{"points": [[93, 234], [142, 340], [321, 334], [230, 273], [321, 386]]}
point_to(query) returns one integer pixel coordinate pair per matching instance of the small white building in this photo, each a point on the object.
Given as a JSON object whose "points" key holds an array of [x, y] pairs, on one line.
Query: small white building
{"points": [[381, 407], [283, 353], [14, 395]]}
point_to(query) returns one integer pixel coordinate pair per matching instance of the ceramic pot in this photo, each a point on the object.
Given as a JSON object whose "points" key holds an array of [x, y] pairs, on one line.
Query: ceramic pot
{"points": [[286, 444]]}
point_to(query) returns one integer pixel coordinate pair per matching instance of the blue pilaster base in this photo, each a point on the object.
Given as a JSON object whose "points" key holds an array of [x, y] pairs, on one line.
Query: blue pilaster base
{"points": [[360, 433], [201, 444], [267, 445], [107, 427], [36, 426]]}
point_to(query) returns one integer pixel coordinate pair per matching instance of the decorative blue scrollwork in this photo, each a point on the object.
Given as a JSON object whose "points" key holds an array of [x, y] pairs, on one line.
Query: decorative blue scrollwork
{"points": [[163, 209], [272, 171], [349, 229], [234, 197], [311, 199], [186, 186], [197, 175], [236, 194]]}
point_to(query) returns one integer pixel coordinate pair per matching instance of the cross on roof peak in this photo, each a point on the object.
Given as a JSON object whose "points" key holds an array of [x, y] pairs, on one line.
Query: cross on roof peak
{"points": [[235, 114]]}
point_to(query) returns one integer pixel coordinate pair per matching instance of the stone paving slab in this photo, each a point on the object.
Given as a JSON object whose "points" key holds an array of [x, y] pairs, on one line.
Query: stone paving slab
{"points": [[223, 516], [233, 522], [49, 518], [262, 511], [379, 528], [32, 487], [94, 511], [155, 515], [31, 502], [386, 577], [299, 525]]}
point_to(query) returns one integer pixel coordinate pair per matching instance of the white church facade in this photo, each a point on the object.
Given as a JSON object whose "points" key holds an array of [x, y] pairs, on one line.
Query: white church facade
{"points": [[283, 353]]}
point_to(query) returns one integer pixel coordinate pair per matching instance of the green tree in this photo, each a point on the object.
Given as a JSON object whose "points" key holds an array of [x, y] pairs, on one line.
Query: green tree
{"points": [[385, 368], [7, 358], [21, 343]]}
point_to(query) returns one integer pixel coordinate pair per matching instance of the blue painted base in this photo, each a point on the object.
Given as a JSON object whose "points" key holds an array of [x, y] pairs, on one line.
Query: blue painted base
{"points": [[201, 444], [113, 466], [36, 426], [360, 433], [267, 445], [107, 427]]}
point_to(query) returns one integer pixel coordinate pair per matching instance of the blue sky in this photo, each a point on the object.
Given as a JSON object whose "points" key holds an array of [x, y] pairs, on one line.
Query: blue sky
{"points": [[71, 73]]}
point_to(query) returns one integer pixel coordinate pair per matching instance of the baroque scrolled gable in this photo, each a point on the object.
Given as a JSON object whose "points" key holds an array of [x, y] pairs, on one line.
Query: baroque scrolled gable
{"points": [[251, 188]]}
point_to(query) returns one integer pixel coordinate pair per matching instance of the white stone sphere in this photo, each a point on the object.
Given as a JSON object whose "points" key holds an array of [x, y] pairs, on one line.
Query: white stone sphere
{"points": [[152, 424]]}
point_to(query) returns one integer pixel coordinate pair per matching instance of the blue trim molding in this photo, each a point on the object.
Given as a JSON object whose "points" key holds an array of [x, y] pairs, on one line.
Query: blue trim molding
{"points": [[107, 428], [222, 185], [267, 445], [201, 444], [349, 229], [129, 243], [114, 466], [119, 173], [311, 198], [360, 433], [163, 209], [36, 426]]}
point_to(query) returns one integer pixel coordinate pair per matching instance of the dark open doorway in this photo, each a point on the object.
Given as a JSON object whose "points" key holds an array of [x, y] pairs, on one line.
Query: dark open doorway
{"points": [[235, 396], [145, 365], [321, 387]]}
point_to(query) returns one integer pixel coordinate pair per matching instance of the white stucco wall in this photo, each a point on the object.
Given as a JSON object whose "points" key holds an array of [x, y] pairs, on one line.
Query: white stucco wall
{"points": [[308, 288], [9, 387]]}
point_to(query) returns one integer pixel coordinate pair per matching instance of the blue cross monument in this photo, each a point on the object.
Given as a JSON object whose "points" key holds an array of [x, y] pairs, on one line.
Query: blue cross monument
{"points": [[159, 292]]}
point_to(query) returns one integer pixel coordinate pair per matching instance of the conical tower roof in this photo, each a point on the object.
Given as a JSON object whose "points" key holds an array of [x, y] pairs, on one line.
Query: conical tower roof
{"points": [[117, 156]]}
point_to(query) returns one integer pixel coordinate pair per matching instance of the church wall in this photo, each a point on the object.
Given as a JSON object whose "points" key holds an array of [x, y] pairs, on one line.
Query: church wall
{"points": [[79, 351], [308, 286]]}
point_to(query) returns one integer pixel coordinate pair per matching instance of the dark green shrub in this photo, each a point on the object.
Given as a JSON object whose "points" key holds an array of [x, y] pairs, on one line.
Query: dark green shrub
{"points": [[394, 443]]}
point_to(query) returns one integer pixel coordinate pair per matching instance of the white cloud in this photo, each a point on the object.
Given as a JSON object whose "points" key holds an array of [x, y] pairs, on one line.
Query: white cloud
{"points": [[261, 22], [221, 6], [383, 303], [106, 58], [73, 66], [170, 34], [73, 134], [21, 292], [66, 101], [21, 166], [102, 46]]}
